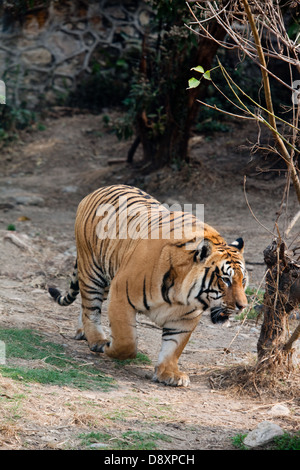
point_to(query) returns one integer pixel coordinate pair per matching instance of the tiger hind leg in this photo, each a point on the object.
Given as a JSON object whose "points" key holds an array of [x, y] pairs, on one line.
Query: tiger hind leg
{"points": [[122, 320], [89, 326], [80, 328]]}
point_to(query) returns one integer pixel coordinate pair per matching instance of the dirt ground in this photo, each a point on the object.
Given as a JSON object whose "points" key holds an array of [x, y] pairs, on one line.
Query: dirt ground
{"points": [[43, 177]]}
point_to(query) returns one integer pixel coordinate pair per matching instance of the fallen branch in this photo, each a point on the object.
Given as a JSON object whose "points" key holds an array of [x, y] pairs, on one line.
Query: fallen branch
{"points": [[288, 346], [292, 223], [20, 240]]}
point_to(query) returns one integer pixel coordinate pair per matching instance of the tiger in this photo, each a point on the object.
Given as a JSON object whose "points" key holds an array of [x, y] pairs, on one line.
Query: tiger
{"points": [[170, 275]]}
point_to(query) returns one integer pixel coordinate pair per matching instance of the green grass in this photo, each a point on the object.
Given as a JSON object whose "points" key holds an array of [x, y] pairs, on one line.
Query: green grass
{"points": [[139, 359], [129, 440], [285, 442], [238, 441], [47, 362], [255, 301]]}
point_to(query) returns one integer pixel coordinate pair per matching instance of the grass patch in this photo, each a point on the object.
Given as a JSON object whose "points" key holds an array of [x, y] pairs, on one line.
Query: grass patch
{"points": [[238, 441], [285, 442], [139, 359], [134, 407], [255, 302], [45, 362], [129, 440]]}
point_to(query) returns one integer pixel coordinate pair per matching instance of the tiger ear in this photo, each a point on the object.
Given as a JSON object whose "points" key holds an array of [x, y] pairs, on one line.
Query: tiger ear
{"points": [[204, 249], [239, 244]]}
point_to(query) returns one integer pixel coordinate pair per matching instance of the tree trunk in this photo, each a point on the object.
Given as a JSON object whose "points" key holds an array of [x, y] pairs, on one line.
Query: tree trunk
{"points": [[282, 295], [179, 104]]}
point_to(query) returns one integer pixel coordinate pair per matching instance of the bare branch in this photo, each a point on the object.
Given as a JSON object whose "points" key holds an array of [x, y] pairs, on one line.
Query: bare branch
{"points": [[245, 27], [225, 112]]}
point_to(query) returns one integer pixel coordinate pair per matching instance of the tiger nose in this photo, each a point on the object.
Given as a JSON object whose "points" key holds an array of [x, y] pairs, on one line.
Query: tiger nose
{"points": [[240, 306]]}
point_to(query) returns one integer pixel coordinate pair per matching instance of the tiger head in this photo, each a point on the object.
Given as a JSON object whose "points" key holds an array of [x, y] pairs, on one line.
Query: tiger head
{"points": [[225, 280], [217, 279]]}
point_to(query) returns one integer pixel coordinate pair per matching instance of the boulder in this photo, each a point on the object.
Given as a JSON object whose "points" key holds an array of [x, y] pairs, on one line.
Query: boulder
{"points": [[263, 434]]}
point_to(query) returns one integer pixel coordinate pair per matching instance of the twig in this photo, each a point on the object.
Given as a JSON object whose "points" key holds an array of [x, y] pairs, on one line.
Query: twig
{"points": [[245, 318], [252, 213], [292, 339], [225, 112], [236, 22], [224, 71], [268, 98], [267, 405]]}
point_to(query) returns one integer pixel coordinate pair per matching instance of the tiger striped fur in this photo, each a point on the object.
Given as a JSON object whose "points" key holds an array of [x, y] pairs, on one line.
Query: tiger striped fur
{"points": [[170, 280]]}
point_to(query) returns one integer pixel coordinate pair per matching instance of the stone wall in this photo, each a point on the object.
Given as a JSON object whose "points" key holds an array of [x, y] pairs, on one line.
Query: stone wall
{"points": [[46, 51]]}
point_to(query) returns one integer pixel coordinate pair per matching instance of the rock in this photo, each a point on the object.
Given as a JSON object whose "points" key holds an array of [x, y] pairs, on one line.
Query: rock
{"points": [[144, 17], [40, 56], [173, 204], [244, 336], [262, 434], [279, 410], [72, 251], [29, 200], [38, 282], [15, 196], [21, 240], [99, 445], [6, 206], [63, 45], [295, 314], [70, 189]]}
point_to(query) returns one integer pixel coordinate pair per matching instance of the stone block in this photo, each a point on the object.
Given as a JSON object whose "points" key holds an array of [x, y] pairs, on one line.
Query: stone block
{"points": [[38, 56], [263, 434]]}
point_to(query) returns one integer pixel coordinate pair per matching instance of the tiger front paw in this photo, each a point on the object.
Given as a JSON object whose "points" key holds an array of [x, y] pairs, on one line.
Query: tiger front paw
{"points": [[175, 378], [99, 346], [79, 335]]}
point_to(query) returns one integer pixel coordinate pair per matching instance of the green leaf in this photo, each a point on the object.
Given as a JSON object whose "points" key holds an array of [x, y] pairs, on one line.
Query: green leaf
{"points": [[193, 83], [199, 68], [207, 75]]}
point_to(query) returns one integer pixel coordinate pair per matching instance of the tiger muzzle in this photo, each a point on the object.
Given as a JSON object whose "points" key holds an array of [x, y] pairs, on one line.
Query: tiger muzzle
{"points": [[221, 314]]}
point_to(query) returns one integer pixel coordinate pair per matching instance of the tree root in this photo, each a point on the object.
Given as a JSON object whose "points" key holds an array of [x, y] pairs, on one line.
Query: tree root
{"points": [[259, 380]]}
